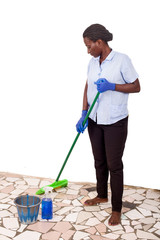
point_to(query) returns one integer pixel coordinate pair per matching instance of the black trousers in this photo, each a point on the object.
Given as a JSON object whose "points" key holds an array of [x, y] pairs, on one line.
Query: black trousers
{"points": [[108, 142]]}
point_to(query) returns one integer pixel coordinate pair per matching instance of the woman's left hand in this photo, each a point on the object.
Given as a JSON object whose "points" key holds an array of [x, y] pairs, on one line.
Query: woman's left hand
{"points": [[103, 85]]}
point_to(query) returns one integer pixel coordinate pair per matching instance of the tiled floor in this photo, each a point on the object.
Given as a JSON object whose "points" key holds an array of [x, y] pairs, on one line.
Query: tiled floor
{"points": [[73, 220]]}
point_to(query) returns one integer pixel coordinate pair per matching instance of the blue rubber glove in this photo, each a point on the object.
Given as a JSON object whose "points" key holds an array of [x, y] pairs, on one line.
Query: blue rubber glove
{"points": [[79, 125], [103, 85]]}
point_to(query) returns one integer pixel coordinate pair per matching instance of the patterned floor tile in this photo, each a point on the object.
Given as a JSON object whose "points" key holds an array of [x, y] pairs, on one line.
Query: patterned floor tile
{"points": [[92, 208], [143, 234], [129, 236], [134, 214], [80, 235], [62, 227], [5, 213], [149, 207], [128, 229], [71, 217], [99, 216], [41, 227], [95, 237], [101, 228], [8, 189], [92, 222], [67, 235], [79, 227], [2, 237], [3, 195], [91, 230], [82, 216], [28, 235], [111, 236], [145, 212], [4, 206], [6, 232], [11, 223], [32, 181], [72, 220]]}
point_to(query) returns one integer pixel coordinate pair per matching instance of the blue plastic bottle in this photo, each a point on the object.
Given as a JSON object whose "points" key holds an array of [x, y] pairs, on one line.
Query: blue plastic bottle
{"points": [[47, 205]]}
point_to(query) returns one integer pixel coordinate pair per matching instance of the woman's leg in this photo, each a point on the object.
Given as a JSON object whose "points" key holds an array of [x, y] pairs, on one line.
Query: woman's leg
{"points": [[115, 138], [98, 148]]}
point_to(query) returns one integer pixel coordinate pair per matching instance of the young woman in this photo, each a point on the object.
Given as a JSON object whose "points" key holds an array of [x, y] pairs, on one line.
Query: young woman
{"points": [[113, 75]]}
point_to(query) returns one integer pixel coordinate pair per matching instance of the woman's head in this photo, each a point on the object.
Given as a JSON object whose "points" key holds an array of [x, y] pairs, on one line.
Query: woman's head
{"points": [[96, 39], [96, 32]]}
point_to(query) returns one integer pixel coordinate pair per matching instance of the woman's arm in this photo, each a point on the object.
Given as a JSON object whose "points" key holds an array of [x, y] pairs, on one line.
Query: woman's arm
{"points": [[129, 87], [85, 102]]}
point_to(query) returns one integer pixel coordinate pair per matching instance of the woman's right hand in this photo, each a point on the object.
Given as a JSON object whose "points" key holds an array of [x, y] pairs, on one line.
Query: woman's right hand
{"points": [[79, 126]]}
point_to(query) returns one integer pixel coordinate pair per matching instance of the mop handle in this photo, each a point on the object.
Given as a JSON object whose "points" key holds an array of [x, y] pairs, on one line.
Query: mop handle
{"points": [[76, 138]]}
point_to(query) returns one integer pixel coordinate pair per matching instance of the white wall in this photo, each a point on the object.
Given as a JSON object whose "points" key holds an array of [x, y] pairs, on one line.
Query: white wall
{"points": [[43, 65]]}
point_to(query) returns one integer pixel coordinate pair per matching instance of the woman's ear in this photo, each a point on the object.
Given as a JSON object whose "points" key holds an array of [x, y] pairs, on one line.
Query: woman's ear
{"points": [[99, 42]]}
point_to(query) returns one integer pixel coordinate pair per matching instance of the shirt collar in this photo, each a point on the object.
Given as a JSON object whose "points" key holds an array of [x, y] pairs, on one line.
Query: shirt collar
{"points": [[108, 58]]}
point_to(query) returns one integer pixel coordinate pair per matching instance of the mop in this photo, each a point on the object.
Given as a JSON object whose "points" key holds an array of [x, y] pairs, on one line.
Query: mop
{"points": [[63, 183]]}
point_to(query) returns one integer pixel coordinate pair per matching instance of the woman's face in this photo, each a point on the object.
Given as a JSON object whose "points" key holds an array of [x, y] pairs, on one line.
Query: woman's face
{"points": [[93, 48]]}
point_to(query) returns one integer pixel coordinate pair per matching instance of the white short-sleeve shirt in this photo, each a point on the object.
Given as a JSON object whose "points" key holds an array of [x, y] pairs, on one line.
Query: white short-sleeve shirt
{"points": [[111, 106]]}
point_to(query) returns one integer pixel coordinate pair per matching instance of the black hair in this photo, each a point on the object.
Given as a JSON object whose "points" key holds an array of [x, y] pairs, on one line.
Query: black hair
{"points": [[98, 31]]}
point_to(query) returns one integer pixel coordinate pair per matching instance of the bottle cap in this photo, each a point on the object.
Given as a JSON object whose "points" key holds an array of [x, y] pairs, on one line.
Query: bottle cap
{"points": [[48, 190]]}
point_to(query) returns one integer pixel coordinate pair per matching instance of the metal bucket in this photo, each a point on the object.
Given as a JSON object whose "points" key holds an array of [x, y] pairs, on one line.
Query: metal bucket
{"points": [[28, 208]]}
